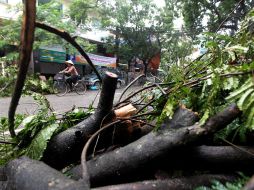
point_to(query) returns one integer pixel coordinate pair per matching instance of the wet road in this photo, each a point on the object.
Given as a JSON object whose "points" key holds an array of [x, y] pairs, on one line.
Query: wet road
{"points": [[60, 104]]}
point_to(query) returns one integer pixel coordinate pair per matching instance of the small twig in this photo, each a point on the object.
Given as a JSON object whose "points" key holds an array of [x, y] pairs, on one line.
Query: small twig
{"points": [[160, 88], [148, 104], [141, 121], [236, 74], [97, 140], [237, 147], [139, 101], [144, 114], [142, 89], [120, 106], [197, 59], [200, 70], [7, 85], [5, 142], [129, 85], [135, 93], [85, 174], [228, 16], [95, 97]]}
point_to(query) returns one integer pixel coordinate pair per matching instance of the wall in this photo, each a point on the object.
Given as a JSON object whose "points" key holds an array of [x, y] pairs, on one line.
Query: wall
{"points": [[5, 13]]}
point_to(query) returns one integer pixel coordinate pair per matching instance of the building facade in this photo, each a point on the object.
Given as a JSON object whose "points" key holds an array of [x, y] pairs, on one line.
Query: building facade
{"points": [[49, 60]]}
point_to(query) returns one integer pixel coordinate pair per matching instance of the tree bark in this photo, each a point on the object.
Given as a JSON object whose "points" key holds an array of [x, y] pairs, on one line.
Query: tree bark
{"points": [[185, 183], [66, 147], [215, 159], [26, 47], [212, 158], [26, 174], [121, 163]]}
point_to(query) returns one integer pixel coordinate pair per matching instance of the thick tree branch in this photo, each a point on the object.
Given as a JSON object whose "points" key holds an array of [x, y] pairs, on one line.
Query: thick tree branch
{"points": [[69, 143], [26, 174], [27, 39], [114, 165]]}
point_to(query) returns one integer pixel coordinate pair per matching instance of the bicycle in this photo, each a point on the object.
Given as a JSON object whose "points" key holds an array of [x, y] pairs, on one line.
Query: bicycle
{"points": [[61, 87]]}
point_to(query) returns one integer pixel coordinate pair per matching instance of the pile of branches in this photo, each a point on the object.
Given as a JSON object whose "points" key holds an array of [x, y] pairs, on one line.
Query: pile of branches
{"points": [[119, 148], [146, 158]]}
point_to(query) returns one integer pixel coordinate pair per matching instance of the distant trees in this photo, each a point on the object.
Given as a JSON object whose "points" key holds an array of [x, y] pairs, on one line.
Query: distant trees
{"points": [[213, 15]]}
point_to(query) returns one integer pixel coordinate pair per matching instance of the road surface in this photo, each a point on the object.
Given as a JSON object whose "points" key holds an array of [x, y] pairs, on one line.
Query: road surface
{"points": [[60, 104]]}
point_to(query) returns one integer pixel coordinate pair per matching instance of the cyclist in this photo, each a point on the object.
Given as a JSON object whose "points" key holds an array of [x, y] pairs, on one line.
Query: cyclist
{"points": [[72, 71]]}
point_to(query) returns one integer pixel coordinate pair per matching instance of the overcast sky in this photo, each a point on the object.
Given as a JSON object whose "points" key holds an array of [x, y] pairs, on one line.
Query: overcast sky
{"points": [[159, 3]]}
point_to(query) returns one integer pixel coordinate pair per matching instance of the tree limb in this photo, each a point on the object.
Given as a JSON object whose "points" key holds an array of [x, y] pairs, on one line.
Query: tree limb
{"points": [[27, 39], [69, 143]]}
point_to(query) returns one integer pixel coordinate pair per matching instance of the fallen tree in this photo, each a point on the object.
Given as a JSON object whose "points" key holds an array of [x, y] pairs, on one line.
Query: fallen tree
{"points": [[18, 174], [216, 159], [114, 165]]}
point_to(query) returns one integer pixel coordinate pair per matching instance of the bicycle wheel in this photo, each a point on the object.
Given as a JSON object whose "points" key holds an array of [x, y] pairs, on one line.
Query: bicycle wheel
{"points": [[97, 85], [80, 87], [60, 88]]}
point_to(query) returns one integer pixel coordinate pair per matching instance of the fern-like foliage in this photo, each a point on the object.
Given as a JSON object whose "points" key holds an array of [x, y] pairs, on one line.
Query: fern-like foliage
{"points": [[236, 185], [244, 97], [224, 74]]}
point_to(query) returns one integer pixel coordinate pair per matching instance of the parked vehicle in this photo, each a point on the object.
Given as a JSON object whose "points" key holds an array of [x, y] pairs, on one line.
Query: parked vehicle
{"points": [[93, 82]]}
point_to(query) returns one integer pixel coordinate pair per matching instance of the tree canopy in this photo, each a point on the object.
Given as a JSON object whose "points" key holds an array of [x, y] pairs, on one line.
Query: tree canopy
{"points": [[209, 15]]}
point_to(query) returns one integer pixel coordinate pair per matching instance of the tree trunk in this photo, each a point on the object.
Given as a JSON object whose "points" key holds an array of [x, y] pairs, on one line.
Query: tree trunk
{"points": [[66, 147]]}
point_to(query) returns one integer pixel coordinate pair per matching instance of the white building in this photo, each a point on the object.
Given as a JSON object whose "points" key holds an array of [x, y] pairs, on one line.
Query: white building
{"points": [[5, 12], [6, 5]]}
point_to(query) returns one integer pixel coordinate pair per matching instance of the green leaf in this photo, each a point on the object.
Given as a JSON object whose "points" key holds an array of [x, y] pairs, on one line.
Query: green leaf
{"points": [[249, 105], [44, 85], [169, 108], [250, 119], [238, 48], [205, 117], [247, 95], [39, 143], [236, 94], [230, 83], [27, 120]]}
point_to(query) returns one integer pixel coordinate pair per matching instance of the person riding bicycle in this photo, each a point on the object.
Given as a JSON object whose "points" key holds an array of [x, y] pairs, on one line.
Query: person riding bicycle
{"points": [[72, 71]]}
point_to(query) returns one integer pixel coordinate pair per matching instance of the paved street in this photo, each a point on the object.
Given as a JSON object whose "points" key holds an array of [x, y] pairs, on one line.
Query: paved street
{"points": [[59, 104]]}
